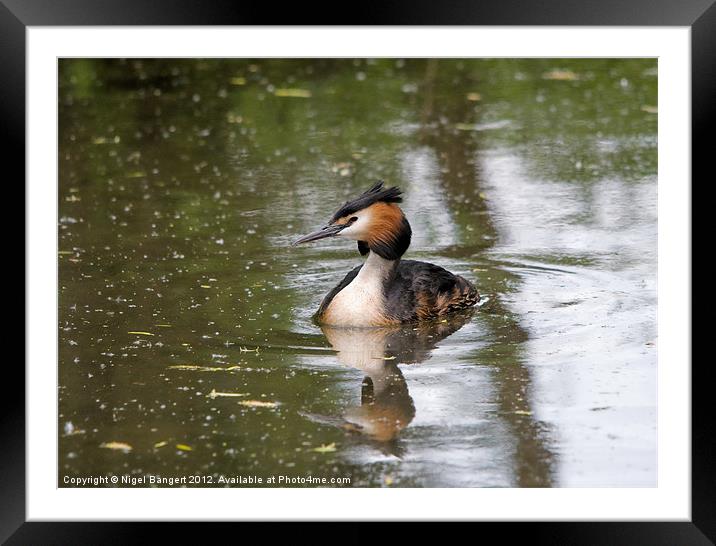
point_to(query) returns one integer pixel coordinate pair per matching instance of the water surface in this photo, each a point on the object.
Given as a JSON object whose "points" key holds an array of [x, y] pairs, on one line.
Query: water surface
{"points": [[186, 340]]}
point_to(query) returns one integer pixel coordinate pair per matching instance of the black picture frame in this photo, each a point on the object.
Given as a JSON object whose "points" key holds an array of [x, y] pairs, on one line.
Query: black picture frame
{"points": [[699, 15]]}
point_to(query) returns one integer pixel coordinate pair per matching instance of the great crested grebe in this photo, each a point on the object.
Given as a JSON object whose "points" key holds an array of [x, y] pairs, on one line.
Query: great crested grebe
{"points": [[385, 289]]}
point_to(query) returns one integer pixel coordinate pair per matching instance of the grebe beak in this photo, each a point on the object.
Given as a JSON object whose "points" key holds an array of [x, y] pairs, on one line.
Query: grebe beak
{"points": [[328, 231]]}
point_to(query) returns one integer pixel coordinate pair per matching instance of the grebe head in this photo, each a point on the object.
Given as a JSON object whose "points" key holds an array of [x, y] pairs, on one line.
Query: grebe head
{"points": [[374, 220]]}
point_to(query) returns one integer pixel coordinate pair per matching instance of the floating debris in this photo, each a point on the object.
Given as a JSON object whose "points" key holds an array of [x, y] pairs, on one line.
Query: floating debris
{"points": [[103, 140], [258, 404], [214, 394], [120, 446], [160, 444], [141, 333], [184, 447], [344, 169], [323, 448], [561, 75], [473, 97], [650, 109], [197, 368], [298, 93], [522, 412]]}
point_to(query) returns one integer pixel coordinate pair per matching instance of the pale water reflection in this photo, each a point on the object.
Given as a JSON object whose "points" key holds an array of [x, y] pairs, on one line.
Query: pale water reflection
{"points": [[386, 406]]}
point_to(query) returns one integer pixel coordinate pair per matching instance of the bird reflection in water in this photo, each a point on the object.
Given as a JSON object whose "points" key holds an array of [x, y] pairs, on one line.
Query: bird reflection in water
{"points": [[386, 406]]}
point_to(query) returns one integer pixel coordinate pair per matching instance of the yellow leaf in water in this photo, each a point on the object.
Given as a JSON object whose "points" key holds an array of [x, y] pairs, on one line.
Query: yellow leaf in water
{"points": [[330, 448], [564, 75], [205, 286], [258, 404], [298, 93], [238, 81], [184, 447], [160, 444], [214, 394], [103, 140], [163, 325], [194, 367], [141, 333], [116, 445]]}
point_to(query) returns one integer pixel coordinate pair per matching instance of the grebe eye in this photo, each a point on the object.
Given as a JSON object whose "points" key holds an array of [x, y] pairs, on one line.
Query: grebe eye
{"points": [[353, 219]]}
